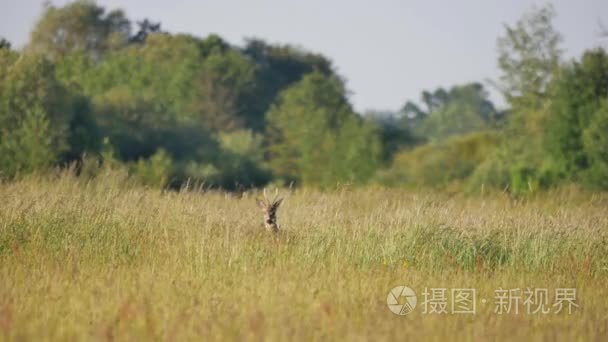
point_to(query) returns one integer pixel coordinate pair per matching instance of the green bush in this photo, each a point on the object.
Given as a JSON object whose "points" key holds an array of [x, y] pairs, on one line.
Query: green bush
{"points": [[154, 171], [440, 164]]}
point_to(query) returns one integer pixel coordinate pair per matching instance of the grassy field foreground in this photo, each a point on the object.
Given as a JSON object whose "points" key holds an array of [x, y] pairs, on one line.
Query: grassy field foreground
{"points": [[106, 261]]}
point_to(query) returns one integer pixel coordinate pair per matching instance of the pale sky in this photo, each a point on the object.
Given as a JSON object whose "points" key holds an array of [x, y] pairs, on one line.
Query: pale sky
{"points": [[388, 50]]}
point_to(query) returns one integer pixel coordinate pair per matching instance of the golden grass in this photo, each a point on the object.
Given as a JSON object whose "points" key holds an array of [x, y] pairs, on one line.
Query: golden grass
{"points": [[105, 260]]}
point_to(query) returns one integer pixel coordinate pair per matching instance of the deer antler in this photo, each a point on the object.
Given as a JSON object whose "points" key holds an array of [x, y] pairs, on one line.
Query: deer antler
{"points": [[274, 198], [276, 194]]}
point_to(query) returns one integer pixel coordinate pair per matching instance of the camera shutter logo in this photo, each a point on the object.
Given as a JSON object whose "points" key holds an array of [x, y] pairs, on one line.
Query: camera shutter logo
{"points": [[401, 300]]}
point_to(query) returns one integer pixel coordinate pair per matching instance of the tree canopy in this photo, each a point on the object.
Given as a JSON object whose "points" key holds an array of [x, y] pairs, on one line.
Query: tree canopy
{"points": [[94, 89]]}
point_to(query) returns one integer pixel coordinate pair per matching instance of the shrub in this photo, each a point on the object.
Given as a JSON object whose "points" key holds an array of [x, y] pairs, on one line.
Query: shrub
{"points": [[440, 164]]}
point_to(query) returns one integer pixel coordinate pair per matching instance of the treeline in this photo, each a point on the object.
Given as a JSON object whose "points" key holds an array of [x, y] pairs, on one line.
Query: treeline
{"points": [[95, 90]]}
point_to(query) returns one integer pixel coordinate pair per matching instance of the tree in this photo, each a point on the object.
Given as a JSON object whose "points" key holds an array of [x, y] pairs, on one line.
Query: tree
{"points": [[35, 115], [435, 100], [595, 143], [459, 110], [577, 115], [5, 44], [529, 53], [315, 137], [145, 28], [222, 82], [79, 26], [529, 56], [29, 146], [394, 134], [277, 67], [462, 110]]}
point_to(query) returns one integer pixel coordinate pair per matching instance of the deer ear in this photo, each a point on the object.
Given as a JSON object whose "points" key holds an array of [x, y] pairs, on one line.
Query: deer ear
{"points": [[260, 203], [277, 203]]}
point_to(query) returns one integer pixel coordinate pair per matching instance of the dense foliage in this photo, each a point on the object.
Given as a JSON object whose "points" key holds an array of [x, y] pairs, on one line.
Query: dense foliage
{"points": [[171, 109]]}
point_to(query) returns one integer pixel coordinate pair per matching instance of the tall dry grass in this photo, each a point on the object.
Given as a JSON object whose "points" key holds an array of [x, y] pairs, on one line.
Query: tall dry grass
{"points": [[103, 259]]}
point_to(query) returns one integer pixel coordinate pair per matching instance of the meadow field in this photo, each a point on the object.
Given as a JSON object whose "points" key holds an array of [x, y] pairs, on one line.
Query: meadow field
{"points": [[107, 260]]}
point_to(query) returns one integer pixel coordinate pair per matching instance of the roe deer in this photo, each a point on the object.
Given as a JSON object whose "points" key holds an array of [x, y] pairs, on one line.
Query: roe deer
{"points": [[270, 211]]}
